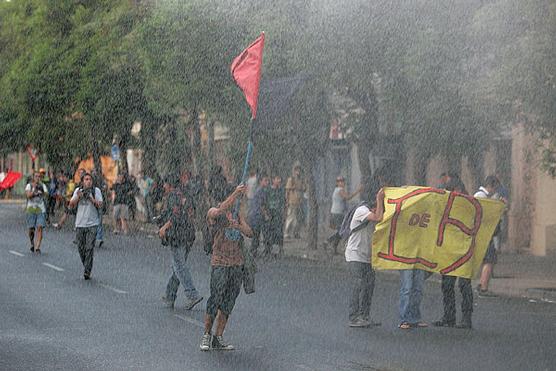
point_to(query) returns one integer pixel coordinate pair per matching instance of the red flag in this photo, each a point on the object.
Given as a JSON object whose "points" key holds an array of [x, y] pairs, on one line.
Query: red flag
{"points": [[246, 71], [9, 181]]}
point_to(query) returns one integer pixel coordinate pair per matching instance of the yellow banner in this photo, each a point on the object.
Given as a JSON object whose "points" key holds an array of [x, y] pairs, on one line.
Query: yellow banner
{"points": [[434, 230]]}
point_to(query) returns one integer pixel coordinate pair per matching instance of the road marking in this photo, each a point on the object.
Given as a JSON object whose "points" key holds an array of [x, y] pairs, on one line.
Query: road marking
{"points": [[118, 291], [191, 320], [16, 253], [53, 267]]}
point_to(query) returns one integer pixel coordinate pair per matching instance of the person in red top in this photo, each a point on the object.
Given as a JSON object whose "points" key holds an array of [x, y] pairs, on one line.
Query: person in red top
{"points": [[226, 273]]}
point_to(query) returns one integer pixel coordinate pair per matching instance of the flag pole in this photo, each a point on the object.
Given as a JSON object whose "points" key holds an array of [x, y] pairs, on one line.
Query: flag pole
{"points": [[246, 164]]}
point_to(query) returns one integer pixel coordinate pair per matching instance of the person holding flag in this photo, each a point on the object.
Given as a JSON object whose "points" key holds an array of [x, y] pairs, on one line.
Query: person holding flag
{"points": [[230, 267]]}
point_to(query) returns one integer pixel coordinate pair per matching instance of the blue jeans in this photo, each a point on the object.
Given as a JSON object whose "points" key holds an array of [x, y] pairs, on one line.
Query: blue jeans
{"points": [[411, 293], [180, 273]]}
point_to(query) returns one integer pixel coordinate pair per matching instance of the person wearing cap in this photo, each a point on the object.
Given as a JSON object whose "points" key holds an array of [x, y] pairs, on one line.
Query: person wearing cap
{"points": [[179, 231], [340, 198]]}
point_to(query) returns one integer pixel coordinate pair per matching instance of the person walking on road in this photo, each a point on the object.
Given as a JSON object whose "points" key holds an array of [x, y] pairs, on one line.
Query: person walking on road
{"points": [[258, 217], [121, 193], [358, 257], [88, 200], [295, 187], [276, 208], [340, 197], [36, 192], [179, 230], [226, 274]]}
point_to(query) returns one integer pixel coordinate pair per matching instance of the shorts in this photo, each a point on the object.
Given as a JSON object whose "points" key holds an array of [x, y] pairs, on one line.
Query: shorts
{"points": [[36, 220], [491, 256], [121, 211], [225, 284]]}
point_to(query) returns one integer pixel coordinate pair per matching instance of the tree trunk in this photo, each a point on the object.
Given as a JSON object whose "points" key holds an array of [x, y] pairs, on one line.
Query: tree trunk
{"points": [[313, 217], [96, 158], [199, 162], [363, 157], [210, 144]]}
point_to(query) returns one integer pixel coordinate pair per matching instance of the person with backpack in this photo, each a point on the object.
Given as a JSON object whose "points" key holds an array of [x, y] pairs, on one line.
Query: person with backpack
{"points": [[362, 220], [88, 200], [179, 231]]}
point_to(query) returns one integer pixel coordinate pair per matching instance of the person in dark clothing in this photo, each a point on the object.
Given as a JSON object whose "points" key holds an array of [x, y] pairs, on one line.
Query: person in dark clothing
{"points": [[120, 196], [258, 217], [276, 204], [217, 184], [448, 319], [178, 229]]}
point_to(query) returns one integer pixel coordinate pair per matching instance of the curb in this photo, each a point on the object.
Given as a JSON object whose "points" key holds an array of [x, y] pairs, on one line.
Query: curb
{"points": [[541, 293]]}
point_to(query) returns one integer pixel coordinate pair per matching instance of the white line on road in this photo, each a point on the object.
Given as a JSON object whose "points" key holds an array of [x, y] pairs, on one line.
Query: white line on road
{"points": [[118, 291], [53, 267], [191, 320], [16, 253]]}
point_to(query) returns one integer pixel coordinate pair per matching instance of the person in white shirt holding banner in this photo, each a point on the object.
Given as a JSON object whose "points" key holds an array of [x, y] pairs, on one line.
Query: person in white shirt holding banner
{"points": [[358, 257]]}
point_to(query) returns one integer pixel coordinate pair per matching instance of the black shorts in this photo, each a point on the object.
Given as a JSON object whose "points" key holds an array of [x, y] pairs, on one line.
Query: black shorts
{"points": [[491, 256], [225, 284]]}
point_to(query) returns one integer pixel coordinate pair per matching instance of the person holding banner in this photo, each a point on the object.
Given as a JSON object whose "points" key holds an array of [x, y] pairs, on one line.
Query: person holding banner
{"points": [[454, 184], [358, 257], [491, 184]]}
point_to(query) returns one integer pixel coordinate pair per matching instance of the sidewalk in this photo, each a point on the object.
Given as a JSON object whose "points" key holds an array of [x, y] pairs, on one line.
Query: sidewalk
{"points": [[515, 275]]}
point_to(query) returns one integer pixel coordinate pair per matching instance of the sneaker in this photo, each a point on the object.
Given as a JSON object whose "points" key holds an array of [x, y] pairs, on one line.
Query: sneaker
{"points": [[87, 276], [192, 302], [56, 226], [465, 324], [32, 249], [443, 323], [371, 322], [218, 343], [168, 303], [359, 322], [100, 243], [486, 294], [205, 342]]}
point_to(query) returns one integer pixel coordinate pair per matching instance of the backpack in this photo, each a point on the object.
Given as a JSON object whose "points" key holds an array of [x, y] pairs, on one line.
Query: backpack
{"points": [[345, 230]]}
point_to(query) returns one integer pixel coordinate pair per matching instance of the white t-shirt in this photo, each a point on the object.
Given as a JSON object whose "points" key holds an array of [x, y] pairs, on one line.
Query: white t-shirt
{"points": [[358, 247], [2, 176], [36, 202], [338, 202], [87, 213]]}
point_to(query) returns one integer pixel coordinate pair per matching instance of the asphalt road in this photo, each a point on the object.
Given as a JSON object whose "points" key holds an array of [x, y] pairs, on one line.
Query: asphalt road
{"points": [[50, 318]]}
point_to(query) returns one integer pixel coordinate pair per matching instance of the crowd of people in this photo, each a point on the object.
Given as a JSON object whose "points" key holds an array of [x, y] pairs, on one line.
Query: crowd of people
{"points": [[274, 212]]}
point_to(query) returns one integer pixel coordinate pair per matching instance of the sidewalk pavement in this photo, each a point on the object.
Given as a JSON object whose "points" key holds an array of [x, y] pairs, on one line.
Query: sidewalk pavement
{"points": [[515, 275]]}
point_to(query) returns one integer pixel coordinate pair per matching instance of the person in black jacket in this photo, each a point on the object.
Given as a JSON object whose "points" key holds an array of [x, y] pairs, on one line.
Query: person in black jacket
{"points": [[178, 229]]}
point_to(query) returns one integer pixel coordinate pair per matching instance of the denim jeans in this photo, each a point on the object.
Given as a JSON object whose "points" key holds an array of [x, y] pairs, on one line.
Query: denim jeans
{"points": [[100, 229], [362, 276], [86, 246], [449, 298], [411, 293], [180, 274]]}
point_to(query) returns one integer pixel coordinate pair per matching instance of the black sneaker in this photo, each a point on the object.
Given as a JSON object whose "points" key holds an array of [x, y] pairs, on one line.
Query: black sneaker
{"points": [[32, 249], [443, 323], [218, 343], [465, 324], [87, 276]]}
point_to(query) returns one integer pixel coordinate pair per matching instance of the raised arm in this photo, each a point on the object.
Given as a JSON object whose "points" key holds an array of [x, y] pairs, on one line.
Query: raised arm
{"points": [[378, 214], [215, 212]]}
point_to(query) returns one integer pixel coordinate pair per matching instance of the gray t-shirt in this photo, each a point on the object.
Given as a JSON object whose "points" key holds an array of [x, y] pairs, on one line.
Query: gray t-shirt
{"points": [[87, 213]]}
